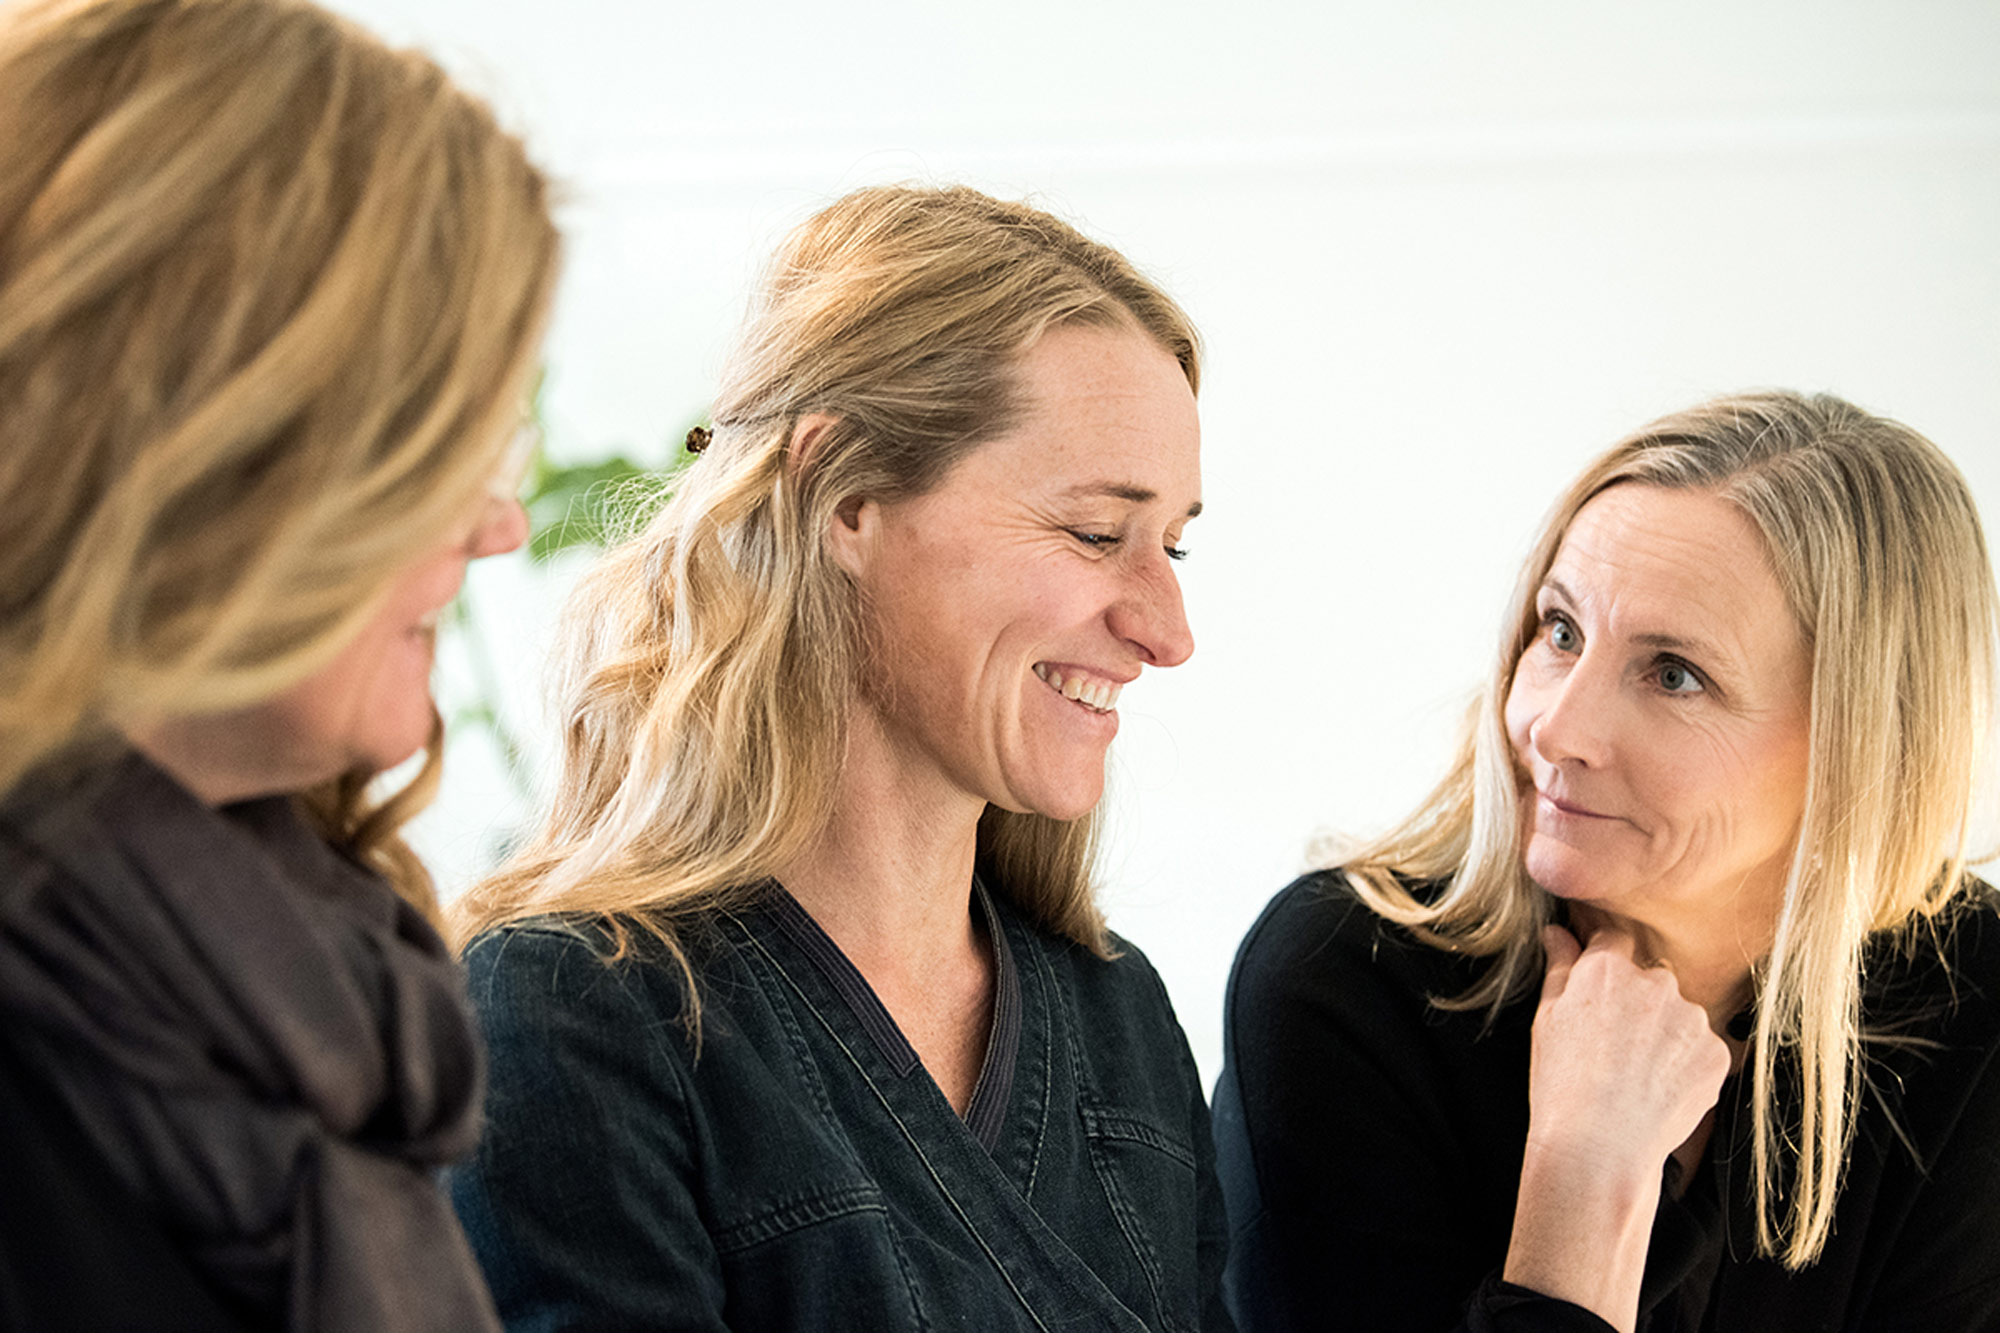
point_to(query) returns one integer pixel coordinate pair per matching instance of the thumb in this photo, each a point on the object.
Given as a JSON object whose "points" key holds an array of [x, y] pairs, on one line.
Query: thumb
{"points": [[1561, 951]]}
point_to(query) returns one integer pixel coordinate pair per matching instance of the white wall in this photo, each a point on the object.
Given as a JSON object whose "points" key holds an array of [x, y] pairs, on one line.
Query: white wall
{"points": [[1442, 252]]}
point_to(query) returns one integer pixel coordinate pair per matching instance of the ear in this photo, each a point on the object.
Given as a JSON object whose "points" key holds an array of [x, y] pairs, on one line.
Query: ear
{"points": [[852, 535], [807, 436]]}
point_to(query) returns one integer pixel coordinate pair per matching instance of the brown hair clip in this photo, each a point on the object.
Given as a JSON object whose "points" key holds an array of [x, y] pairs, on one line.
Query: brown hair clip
{"points": [[698, 438]]}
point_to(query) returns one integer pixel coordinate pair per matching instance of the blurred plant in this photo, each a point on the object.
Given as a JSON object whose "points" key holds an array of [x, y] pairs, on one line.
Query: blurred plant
{"points": [[571, 507]]}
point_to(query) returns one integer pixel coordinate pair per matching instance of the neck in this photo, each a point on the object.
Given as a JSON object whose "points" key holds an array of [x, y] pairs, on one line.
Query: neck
{"points": [[890, 876], [221, 759]]}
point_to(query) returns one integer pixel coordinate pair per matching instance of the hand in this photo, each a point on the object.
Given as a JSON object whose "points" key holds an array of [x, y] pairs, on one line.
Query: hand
{"points": [[1624, 1069]]}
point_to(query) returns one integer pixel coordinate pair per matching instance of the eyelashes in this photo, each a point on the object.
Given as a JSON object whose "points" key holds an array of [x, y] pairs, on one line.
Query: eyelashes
{"points": [[1671, 674], [1099, 541]]}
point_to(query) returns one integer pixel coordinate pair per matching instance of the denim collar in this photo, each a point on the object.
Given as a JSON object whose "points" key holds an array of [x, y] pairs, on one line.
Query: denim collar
{"points": [[987, 1111]]}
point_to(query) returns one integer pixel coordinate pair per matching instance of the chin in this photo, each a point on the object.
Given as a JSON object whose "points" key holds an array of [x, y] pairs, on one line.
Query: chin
{"points": [[1562, 872], [391, 748], [1063, 803]]}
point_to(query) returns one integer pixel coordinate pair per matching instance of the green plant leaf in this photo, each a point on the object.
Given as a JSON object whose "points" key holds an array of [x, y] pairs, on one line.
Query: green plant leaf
{"points": [[566, 503]]}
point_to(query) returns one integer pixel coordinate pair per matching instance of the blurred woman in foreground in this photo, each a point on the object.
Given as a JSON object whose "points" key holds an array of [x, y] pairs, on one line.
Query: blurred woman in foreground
{"points": [[270, 293]]}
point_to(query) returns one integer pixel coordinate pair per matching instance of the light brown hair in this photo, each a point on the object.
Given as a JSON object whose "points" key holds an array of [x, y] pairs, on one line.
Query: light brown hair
{"points": [[270, 294], [709, 661], [1877, 544]]}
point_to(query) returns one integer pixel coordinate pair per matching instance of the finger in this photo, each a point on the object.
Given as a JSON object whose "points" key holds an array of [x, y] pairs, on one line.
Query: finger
{"points": [[1616, 940], [1560, 951]]}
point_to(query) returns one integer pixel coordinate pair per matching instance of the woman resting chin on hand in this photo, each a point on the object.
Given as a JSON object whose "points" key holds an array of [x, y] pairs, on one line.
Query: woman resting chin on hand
{"points": [[1715, 800], [1623, 1074]]}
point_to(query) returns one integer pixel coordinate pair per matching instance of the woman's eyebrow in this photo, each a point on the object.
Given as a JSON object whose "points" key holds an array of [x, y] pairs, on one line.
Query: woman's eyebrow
{"points": [[1118, 490], [1704, 650]]}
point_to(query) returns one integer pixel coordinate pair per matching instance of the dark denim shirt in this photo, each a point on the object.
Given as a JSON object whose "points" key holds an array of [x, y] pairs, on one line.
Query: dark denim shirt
{"points": [[802, 1173]]}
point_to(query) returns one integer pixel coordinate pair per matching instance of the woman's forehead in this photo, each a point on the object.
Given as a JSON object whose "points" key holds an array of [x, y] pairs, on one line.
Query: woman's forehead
{"points": [[1682, 571]]}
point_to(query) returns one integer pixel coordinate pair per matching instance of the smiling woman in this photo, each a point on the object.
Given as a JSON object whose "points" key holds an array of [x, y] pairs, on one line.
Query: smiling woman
{"points": [[1009, 605], [803, 1013], [1743, 693]]}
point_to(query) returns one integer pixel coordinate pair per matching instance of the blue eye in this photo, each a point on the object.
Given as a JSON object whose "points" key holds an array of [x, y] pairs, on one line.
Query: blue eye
{"points": [[1562, 635], [1678, 678]]}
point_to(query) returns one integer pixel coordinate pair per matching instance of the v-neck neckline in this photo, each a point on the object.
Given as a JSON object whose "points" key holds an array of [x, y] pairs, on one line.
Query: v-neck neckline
{"points": [[987, 1111]]}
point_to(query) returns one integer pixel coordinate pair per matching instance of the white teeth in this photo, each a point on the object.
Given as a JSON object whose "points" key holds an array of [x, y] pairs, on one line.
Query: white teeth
{"points": [[1101, 695]]}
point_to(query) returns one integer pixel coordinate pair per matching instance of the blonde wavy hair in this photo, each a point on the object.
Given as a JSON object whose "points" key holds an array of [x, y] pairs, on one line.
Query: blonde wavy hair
{"points": [[270, 294], [709, 662], [1876, 542]]}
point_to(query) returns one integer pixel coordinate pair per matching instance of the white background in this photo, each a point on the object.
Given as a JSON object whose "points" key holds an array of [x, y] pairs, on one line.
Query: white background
{"points": [[1442, 252]]}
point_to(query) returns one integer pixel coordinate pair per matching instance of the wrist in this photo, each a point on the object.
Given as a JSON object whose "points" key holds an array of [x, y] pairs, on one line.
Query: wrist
{"points": [[1582, 1223]]}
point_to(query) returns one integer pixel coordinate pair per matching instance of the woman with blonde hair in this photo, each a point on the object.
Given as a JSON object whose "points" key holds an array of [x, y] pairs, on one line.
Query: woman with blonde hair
{"points": [[1730, 745], [270, 294], [802, 1013]]}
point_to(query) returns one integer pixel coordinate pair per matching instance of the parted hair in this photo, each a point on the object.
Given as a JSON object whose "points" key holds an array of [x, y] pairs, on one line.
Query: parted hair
{"points": [[1875, 540], [709, 661], [270, 293]]}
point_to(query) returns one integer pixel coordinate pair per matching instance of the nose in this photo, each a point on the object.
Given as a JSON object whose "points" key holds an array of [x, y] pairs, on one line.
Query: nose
{"points": [[1151, 616], [1572, 724], [503, 526]]}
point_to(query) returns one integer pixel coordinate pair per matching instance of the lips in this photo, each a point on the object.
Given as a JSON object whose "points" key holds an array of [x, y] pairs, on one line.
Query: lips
{"points": [[1569, 808]]}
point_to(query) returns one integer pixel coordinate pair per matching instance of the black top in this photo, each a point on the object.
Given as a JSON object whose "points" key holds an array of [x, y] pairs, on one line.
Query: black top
{"points": [[801, 1170], [1370, 1147]]}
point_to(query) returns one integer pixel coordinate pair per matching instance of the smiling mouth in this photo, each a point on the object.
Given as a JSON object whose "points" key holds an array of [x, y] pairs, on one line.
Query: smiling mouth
{"points": [[1099, 696]]}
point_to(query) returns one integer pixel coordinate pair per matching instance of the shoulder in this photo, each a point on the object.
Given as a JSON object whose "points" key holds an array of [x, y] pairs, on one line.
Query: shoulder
{"points": [[551, 991], [1939, 977], [1924, 1149], [1328, 999], [1121, 989], [1115, 1014], [1931, 1048], [550, 961], [1318, 946], [594, 961]]}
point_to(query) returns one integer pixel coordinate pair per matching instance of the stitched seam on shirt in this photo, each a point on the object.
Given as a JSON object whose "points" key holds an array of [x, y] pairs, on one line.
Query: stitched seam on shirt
{"points": [[788, 1019], [943, 1190], [1103, 1124], [1128, 1221], [909, 1282], [847, 982], [796, 1214], [1052, 1007]]}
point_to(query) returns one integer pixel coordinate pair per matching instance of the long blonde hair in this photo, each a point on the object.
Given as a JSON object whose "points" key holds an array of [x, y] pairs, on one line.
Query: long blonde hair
{"points": [[1877, 544], [270, 294], [709, 661]]}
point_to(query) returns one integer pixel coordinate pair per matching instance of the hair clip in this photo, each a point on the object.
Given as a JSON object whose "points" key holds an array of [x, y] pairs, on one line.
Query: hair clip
{"points": [[698, 438]]}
